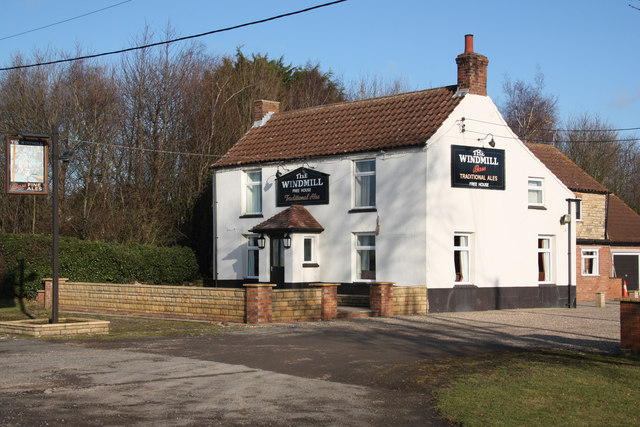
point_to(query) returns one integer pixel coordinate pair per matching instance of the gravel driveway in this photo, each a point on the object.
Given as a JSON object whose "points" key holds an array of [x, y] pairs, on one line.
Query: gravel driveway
{"points": [[317, 373]]}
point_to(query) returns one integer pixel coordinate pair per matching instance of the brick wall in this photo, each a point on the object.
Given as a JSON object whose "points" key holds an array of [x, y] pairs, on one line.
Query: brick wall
{"points": [[297, 304], [409, 300], [587, 286], [630, 324], [594, 208], [151, 300]]}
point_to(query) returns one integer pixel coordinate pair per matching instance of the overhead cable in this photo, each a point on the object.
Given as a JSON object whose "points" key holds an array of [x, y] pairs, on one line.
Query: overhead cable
{"points": [[62, 22], [114, 52]]}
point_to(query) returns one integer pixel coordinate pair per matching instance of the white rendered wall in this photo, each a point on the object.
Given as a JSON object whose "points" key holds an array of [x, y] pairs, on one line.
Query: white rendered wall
{"points": [[504, 230], [418, 213]]}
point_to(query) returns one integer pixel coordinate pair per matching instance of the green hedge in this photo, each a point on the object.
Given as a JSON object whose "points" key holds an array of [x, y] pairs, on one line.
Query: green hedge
{"points": [[26, 259]]}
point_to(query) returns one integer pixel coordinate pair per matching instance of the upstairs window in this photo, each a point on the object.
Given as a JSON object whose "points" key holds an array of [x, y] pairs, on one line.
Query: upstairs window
{"points": [[253, 192], [590, 262], [536, 192], [578, 209], [364, 173]]}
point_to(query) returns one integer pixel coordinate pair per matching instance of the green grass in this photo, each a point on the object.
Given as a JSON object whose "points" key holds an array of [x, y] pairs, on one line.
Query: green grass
{"points": [[121, 327], [536, 389]]}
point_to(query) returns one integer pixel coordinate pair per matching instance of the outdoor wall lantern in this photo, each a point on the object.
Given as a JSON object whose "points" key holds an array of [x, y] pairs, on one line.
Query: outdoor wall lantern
{"points": [[565, 219], [492, 143], [286, 241], [261, 241]]}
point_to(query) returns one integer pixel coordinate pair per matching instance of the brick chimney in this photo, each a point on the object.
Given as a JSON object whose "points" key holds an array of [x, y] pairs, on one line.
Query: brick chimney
{"points": [[262, 107], [472, 69]]}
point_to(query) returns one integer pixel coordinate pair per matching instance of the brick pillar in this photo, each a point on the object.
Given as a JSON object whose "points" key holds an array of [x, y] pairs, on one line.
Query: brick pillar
{"points": [[329, 299], [48, 292], [258, 307], [381, 298], [630, 324]]}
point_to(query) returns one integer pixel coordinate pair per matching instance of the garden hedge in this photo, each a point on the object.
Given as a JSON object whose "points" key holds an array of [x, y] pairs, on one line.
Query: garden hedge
{"points": [[26, 259]]}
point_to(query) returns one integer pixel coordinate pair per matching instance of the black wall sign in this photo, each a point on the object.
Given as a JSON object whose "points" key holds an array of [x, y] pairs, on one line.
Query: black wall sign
{"points": [[473, 167], [303, 187]]}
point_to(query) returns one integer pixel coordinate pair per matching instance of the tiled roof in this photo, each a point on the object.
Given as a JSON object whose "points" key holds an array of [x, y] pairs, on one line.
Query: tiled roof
{"points": [[294, 218], [568, 172], [623, 224], [404, 120]]}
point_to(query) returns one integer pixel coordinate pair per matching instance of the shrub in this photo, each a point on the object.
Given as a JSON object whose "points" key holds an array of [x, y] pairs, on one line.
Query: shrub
{"points": [[26, 259]]}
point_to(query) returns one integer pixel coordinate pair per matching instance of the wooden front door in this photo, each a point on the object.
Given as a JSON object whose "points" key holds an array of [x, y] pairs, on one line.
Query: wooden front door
{"points": [[277, 260]]}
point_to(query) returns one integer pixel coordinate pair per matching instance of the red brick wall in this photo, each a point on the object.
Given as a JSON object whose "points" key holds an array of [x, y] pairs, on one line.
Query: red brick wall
{"points": [[381, 298], [587, 286], [630, 324]]}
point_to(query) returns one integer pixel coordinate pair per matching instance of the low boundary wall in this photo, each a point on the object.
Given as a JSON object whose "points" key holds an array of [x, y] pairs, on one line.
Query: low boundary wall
{"points": [[254, 304], [630, 324]]}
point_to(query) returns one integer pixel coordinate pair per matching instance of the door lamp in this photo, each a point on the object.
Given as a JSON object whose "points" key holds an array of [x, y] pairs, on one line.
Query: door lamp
{"points": [[286, 241], [261, 241]]}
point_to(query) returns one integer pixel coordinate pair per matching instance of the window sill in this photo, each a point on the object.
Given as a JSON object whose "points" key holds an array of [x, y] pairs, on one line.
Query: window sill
{"points": [[539, 208], [259, 215], [358, 210], [310, 265]]}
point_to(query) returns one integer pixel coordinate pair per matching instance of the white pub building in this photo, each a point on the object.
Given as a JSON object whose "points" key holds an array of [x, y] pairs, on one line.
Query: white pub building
{"points": [[428, 188]]}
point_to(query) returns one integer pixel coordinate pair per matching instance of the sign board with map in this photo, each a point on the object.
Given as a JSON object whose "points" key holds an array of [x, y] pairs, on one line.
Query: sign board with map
{"points": [[27, 165]]}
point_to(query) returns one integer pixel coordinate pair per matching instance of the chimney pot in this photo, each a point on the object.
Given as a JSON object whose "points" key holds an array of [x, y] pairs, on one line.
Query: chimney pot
{"points": [[468, 43]]}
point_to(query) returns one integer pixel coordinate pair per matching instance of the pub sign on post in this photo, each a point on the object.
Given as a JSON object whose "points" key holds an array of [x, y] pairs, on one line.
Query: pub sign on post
{"points": [[302, 187], [474, 167], [26, 164]]}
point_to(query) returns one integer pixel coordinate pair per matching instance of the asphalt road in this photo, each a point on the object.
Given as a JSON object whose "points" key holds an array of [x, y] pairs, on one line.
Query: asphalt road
{"points": [[318, 373]]}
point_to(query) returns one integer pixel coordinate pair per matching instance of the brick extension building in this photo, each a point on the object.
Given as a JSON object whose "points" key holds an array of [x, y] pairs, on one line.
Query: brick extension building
{"points": [[608, 231]]}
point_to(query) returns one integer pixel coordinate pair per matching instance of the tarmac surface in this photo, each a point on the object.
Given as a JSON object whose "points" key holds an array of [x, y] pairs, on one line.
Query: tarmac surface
{"points": [[316, 373]]}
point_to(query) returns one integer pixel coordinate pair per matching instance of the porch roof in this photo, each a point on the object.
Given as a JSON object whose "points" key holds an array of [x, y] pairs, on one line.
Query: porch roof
{"points": [[293, 219]]}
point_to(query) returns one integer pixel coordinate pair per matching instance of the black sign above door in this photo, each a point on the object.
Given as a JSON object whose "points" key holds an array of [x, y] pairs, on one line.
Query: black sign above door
{"points": [[474, 167], [302, 187]]}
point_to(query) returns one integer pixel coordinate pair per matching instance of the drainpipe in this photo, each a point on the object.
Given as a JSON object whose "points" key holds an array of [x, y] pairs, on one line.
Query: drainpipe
{"points": [[570, 255], [214, 203]]}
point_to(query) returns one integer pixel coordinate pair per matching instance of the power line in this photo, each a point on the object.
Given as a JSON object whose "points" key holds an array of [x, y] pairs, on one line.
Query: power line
{"points": [[66, 20], [560, 130], [235, 27], [569, 141]]}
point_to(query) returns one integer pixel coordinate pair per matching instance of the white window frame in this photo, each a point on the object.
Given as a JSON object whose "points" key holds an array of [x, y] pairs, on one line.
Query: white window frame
{"points": [[537, 189], [462, 249], [357, 248], [312, 259], [549, 252], [256, 185], [356, 185], [595, 256], [578, 208], [251, 247]]}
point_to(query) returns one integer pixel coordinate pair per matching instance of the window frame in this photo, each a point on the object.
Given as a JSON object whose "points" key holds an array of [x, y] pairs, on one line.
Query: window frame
{"points": [[249, 248], [312, 259], [596, 261], [248, 182], [357, 185], [462, 249], [357, 248], [541, 251], [535, 188]]}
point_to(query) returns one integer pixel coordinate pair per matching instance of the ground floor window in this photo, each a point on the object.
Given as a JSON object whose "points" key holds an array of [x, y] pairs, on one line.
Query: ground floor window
{"points": [[253, 255], [309, 249], [544, 259], [365, 256], [461, 257], [590, 262]]}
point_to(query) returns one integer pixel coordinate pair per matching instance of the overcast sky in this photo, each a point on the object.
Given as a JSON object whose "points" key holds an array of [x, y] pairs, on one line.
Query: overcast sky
{"points": [[588, 51]]}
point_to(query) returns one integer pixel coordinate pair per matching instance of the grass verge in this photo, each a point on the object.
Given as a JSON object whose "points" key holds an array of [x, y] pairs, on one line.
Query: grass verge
{"points": [[121, 327], [535, 388]]}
